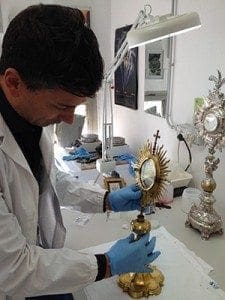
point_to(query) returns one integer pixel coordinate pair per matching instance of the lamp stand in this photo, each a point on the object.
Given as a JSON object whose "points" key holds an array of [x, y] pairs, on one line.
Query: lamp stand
{"points": [[204, 217], [139, 285], [104, 166]]}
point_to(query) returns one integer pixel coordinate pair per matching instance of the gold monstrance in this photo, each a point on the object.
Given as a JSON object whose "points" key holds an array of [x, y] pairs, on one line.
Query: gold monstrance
{"points": [[151, 171]]}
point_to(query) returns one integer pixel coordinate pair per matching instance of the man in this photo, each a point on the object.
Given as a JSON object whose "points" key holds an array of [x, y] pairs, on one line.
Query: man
{"points": [[50, 62]]}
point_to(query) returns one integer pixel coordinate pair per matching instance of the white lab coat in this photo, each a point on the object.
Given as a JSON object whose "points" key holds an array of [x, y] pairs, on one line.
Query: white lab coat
{"points": [[27, 269]]}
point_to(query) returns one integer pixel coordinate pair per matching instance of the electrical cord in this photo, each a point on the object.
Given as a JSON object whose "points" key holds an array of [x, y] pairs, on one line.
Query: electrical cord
{"points": [[181, 138], [178, 152]]}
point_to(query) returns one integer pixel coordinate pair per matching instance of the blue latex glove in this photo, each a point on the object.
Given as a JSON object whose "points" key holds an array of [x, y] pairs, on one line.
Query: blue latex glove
{"points": [[131, 159], [128, 256], [81, 153], [127, 198], [131, 167], [125, 156]]}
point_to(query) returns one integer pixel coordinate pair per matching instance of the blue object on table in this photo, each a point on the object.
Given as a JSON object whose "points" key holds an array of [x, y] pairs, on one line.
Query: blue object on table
{"points": [[80, 153], [126, 156], [131, 166], [131, 159]]}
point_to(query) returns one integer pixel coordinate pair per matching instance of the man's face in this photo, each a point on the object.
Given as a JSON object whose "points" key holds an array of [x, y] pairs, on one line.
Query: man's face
{"points": [[45, 107]]}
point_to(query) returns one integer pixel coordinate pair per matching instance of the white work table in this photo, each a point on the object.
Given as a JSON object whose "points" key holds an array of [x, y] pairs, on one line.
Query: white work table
{"points": [[99, 231]]}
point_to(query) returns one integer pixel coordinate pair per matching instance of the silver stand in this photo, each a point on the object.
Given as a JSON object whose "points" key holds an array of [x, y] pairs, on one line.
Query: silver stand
{"points": [[210, 122], [204, 217]]}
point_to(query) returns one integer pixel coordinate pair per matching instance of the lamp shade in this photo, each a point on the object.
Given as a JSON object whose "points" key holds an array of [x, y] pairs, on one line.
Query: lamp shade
{"points": [[164, 26]]}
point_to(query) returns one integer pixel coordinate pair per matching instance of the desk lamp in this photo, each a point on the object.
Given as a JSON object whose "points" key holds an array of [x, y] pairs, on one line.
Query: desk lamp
{"points": [[145, 29]]}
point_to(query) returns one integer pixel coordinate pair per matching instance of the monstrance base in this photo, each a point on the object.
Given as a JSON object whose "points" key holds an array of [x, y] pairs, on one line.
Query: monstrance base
{"points": [[205, 219], [139, 285]]}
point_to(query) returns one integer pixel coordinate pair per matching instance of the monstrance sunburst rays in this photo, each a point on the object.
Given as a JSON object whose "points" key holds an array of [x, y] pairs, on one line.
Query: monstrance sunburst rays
{"points": [[158, 155]]}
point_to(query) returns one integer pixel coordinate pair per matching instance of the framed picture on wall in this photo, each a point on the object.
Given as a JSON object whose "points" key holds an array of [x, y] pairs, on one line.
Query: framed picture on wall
{"points": [[154, 64], [126, 83], [113, 183]]}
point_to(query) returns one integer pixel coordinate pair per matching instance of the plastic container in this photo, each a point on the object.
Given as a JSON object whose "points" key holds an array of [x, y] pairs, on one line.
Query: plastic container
{"points": [[189, 197], [167, 196], [177, 176]]}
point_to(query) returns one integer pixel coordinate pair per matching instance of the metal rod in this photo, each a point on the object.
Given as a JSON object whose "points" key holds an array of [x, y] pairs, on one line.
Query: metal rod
{"points": [[172, 47]]}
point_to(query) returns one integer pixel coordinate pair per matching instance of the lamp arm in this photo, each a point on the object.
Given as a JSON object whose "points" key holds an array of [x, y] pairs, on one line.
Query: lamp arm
{"points": [[118, 59], [107, 118], [107, 122]]}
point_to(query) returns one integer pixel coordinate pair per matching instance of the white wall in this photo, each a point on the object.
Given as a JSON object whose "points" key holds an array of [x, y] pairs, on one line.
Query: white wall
{"points": [[198, 54]]}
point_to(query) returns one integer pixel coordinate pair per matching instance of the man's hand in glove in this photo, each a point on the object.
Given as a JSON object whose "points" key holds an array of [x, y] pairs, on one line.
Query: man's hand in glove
{"points": [[125, 199], [127, 255]]}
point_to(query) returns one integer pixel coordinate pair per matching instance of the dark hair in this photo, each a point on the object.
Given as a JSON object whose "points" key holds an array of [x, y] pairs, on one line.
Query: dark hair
{"points": [[50, 47]]}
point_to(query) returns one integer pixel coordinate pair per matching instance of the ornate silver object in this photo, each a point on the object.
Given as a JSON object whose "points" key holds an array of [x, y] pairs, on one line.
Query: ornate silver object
{"points": [[210, 122]]}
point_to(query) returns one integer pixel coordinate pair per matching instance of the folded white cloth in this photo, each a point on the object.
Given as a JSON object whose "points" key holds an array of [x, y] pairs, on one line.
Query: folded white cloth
{"points": [[186, 275]]}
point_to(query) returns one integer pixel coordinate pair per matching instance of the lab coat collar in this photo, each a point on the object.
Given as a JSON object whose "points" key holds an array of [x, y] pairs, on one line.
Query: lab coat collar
{"points": [[9, 145]]}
